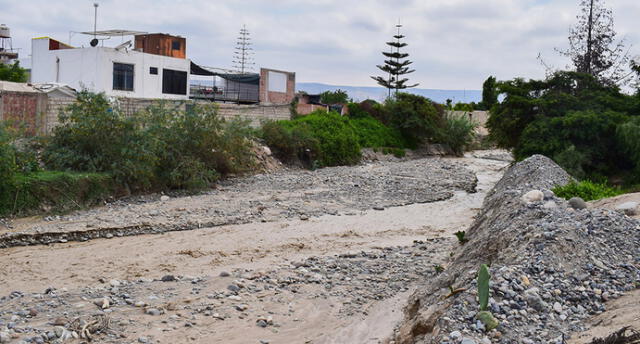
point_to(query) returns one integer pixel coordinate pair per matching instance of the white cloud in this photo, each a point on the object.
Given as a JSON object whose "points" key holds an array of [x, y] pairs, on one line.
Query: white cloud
{"points": [[454, 44]]}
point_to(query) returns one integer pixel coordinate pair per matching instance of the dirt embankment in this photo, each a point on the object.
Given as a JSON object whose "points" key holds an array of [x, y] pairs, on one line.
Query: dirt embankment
{"points": [[337, 246]]}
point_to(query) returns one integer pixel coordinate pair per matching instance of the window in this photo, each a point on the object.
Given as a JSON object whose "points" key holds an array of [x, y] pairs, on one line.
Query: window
{"points": [[153, 70], [174, 81], [175, 45], [122, 76]]}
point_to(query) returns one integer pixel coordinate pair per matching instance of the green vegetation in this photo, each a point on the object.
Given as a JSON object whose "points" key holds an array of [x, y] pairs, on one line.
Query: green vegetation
{"points": [[56, 191], [460, 235], [489, 321], [334, 97], [318, 139], [585, 126], [457, 132], [161, 148], [417, 118], [13, 72], [587, 190], [483, 286]]}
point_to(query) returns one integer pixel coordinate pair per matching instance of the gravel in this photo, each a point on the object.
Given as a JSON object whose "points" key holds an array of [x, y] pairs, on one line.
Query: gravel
{"points": [[287, 194], [551, 267]]}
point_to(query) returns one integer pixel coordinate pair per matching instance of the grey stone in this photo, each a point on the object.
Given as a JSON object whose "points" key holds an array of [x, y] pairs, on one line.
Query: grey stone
{"points": [[261, 323], [153, 311], [4, 337], [467, 340], [224, 274], [557, 307], [455, 335], [628, 208], [143, 340], [577, 203], [533, 196]]}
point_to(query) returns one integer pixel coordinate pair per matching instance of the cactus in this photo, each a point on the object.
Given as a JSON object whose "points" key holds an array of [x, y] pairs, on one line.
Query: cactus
{"points": [[483, 286], [461, 237]]}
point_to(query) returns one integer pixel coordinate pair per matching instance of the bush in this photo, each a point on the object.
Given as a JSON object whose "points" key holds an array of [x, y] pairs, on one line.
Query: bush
{"points": [[326, 138], [587, 190], [583, 142], [372, 133], [56, 191], [8, 165], [162, 147], [457, 132], [417, 118], [628, 136], [196, 146], [94, 137]]}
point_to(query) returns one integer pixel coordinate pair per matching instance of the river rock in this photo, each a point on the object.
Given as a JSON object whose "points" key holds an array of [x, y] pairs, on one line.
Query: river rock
{"points": [[533, 196], [577, 203], [628, 208]]}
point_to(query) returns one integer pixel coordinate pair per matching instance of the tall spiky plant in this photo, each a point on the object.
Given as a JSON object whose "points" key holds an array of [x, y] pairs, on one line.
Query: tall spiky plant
{"points": [[396, 66], [242, 56]]}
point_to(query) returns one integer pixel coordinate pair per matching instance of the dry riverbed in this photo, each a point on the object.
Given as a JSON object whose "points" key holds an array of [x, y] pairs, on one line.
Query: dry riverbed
{"points": [[296, 256]]}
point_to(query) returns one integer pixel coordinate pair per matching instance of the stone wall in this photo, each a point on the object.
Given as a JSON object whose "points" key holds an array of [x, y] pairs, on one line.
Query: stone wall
{"points": [[255, 113]]}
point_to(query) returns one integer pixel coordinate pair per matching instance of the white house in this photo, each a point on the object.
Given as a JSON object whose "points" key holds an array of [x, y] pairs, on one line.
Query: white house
{"points": [[118, 72]]}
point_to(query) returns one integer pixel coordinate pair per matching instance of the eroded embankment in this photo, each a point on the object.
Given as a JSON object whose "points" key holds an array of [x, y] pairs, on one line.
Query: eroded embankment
{"points": [[552, 267]]}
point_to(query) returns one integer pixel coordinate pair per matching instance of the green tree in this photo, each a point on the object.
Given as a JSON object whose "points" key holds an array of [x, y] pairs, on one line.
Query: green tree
{"points": [[13, 72], [396, 66], [334, 97], [489, 94]]}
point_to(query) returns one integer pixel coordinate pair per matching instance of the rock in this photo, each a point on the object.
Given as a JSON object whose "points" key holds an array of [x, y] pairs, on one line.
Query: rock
{"points": [[489, 321], [165, 198], [242, 307], [549, 205], [535, 301], [557, 307], [261, 323], [628, 208], [304, 217], [378, 208], [467, 340], [152, 311], [577, 203], [455, 335], [143, 340], [59, 321], [102, 303], [533, 196], [140, 304], [114, 283], [168, 278], [266, 150], [224, 274], [233, 287], [5, 337], [33, 312]]}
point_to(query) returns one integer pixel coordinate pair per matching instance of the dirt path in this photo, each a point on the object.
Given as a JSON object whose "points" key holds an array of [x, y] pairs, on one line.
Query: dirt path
{"points": [[304, 277]]}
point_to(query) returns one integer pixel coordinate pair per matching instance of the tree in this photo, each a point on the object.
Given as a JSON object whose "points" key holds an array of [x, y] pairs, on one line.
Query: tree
{"points": [[489, 93], [13, 72], [242, 57], [396, 66], [593, 47], [334, 97]]}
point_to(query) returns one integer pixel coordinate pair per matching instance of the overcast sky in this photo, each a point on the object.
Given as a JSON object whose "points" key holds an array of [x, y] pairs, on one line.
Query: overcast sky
{"points": [[455, 44]]}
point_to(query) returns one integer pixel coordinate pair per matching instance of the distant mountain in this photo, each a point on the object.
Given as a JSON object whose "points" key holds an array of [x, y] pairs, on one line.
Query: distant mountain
{"points": [[379, 94]]}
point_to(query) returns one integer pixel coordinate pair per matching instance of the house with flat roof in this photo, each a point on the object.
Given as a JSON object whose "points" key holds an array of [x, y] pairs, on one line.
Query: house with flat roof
{"points": [[156, 67]]}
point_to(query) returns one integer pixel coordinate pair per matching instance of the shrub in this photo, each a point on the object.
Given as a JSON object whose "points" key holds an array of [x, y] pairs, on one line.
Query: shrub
{"points": [[417, 118], [162, 147], [457, 132], [56, 191], [8, 165], [372, 133], [587, 190], [94, 137], [628, 136], [194, 147], [327, 138]]}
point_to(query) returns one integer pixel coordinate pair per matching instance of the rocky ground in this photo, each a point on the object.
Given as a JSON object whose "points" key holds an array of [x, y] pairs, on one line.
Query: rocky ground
{"points": [[326, 256], [272, 197], [554, 266]]}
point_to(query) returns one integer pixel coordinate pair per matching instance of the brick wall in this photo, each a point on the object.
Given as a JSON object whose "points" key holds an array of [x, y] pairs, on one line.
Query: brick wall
{"points": [[23, 109], [269, 97]]}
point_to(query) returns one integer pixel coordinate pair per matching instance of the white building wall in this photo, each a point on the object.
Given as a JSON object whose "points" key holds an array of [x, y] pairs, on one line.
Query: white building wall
{"points": [[92, 69]]}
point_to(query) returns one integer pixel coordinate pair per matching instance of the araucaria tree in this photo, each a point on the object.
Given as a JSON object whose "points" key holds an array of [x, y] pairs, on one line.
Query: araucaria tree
{"points": [[396, 66], [593, 47]]}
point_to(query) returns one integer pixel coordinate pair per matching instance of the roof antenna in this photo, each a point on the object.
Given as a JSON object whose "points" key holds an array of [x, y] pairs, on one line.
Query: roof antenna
{"points": [[94, 41]]}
